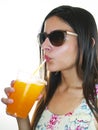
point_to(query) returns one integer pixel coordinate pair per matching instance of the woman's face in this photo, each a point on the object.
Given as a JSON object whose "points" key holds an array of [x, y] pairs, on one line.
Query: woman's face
{"points": [[60, 58]]}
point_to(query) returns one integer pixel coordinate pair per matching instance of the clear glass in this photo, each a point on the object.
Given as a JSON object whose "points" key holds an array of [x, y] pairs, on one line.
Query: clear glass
{"points": [[27, 90]]}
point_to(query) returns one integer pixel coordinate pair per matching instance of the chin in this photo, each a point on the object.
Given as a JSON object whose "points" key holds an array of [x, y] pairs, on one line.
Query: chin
{"points": [[52, 69]]}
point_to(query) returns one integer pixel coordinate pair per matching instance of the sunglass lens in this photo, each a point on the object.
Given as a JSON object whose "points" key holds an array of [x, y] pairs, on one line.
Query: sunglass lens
{"points": [[42, 37], [57, 38]]}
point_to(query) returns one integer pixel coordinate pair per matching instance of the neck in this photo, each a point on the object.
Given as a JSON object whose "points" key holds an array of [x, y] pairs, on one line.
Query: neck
{"points": [[70, 80]]}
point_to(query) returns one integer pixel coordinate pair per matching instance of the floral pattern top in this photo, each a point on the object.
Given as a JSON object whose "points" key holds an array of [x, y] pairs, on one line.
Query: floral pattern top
{"points": [[81, 119]]}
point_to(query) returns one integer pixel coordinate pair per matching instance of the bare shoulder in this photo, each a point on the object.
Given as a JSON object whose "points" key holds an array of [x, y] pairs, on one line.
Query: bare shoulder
{"points": [[96, 124]]}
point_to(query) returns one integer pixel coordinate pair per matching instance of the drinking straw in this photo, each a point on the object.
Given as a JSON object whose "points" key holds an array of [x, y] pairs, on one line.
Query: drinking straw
{"points": [[39, 67], [36, 70]]}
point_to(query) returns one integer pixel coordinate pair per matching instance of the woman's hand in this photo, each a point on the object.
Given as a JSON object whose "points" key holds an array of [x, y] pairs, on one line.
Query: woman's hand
{"points": [[8, 91], [23, 124]]}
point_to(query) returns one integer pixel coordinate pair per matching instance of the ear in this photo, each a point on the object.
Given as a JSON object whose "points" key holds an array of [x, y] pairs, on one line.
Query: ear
{"points": [[93, 42]]}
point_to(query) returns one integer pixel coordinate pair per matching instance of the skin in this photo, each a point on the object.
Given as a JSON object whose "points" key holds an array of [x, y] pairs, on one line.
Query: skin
{"points": [[63, 58], [68, 95]]}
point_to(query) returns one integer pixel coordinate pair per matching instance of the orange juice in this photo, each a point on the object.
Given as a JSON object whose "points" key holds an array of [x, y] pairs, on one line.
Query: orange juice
{"points": [[24, 97]]}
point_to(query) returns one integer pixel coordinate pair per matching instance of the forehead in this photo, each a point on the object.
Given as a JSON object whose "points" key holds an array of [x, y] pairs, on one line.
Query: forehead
{"points": [[55, 23]]}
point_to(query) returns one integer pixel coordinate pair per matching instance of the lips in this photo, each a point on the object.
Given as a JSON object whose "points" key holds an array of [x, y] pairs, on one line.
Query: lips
{"points": [[47, 58]]}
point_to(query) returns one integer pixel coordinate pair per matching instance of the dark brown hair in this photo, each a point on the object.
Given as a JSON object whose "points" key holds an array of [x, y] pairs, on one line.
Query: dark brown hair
{"points": [[84, 25]]}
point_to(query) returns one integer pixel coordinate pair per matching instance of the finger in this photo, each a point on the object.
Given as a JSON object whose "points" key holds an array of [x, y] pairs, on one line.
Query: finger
{"points": [[7, 101], [9, 90], [40, 96], [12, 83], [11, 114]]}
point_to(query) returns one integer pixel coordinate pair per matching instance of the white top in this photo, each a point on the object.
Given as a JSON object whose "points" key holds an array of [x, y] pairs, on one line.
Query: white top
{"points": [[81, 119]]}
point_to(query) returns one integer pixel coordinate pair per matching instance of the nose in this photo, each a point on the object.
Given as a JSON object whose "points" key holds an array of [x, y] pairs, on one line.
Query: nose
{"points": [[46, 45]]}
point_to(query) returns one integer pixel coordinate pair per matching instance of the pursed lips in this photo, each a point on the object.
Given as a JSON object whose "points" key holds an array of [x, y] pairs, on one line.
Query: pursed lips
{"points": [[47, 58]]}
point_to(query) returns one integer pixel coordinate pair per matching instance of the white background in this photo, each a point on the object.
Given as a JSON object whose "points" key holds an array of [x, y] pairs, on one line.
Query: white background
{"points": [[20, 22]]}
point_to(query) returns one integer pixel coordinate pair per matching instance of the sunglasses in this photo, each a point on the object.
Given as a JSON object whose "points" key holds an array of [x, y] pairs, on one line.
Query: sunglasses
{"points": [[56, 37]]}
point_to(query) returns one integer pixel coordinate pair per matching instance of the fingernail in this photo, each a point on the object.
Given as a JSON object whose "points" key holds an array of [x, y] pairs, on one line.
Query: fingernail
{"points": [[10, 101], [12, 89]]}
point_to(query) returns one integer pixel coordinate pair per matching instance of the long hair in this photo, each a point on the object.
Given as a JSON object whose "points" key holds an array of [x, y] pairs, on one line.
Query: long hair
{"points": [[84, 25]]}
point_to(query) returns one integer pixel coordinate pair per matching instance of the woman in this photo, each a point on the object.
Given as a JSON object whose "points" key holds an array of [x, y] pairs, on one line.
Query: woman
{"points": [[69, 42]]}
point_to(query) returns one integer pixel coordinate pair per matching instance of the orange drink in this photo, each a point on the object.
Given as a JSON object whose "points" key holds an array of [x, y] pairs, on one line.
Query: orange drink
{"points": [[24, 97]]}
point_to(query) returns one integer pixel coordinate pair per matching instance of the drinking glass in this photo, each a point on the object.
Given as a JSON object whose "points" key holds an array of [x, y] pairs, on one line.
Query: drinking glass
{"points": [[27, 90]]}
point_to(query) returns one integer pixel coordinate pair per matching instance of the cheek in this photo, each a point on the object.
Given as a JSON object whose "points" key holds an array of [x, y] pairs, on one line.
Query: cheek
{"points": [[73, 49], [63, 57], [67, 55], [67, 51], [72, 53], [60, 52]]}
